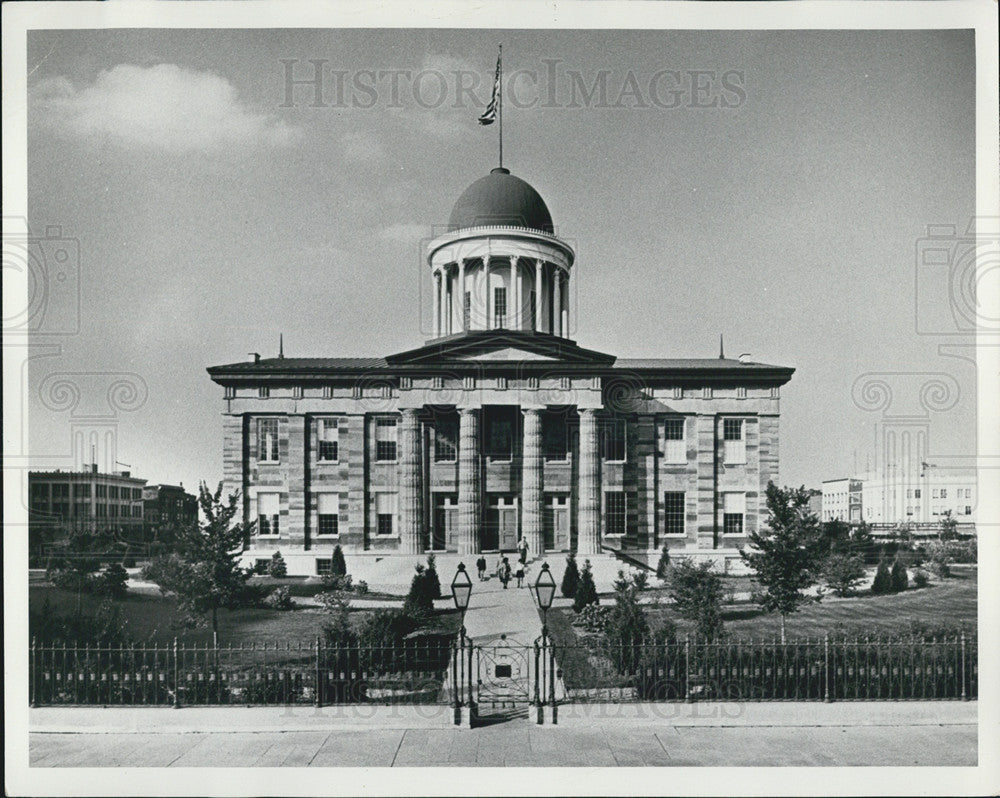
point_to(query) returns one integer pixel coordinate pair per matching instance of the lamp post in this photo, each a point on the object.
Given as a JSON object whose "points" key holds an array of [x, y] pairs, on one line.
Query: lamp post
{"points": [[545, 591], [461, 590]]}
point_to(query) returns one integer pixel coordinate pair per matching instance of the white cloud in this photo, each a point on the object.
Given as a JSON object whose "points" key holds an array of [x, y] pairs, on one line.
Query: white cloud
{"points": [[165, 107]]}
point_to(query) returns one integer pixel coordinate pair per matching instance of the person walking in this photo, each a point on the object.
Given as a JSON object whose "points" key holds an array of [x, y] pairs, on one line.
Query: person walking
{"points": [[481, 567], [522, 550], [519, 574], [505, 572]]}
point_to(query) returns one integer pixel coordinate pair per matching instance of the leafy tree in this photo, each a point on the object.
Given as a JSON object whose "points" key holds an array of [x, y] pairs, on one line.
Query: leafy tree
{"points": [[277, 568], [949, 527], [898, 578], [431, 575], [204, 572], [697, 594], [843, 572], [663, 566], [113, 582], [783, 554], [626, 628], [337, 630], [420, 600], [883, 579], [571, 577], [337, 566], [834, 538], [586, 590]]}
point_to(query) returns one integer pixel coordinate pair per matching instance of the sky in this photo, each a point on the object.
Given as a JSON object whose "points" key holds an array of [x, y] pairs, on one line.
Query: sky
{"points": [[774, 187]]}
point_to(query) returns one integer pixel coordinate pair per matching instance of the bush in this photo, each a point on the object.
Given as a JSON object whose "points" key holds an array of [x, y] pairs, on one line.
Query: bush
{"points": [[337, 630], [920, 578], [898, 577], [279, 599], [883, 580], [697, 593], [277, 568], [627, 628], [420, 600], [431, 575], [844, 572], [586, 590], [113, 582], [343, 583], [593, 618], [260, 567], [571, 577], [361, 588], [337, 565], [663, 566]]}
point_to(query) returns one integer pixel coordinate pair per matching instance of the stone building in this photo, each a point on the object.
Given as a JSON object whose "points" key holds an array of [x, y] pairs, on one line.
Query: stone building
{"points": [[500, 425]]}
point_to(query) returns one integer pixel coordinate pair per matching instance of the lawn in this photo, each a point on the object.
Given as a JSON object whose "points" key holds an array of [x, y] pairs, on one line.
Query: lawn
{"points": [[151, 617]]}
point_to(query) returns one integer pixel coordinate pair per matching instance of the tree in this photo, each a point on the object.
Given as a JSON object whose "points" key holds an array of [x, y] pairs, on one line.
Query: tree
{"points": [[431, 575], [586, 590], [949, 527], [277, 568], [663, 566], [883, 579], [834, 538], [337, 565], [898, 578], [204, 572], [861, 541], [783, 554], [571, 577], [626, 628], [420, 600], [697, 594], [843, 572], [113, 582]]}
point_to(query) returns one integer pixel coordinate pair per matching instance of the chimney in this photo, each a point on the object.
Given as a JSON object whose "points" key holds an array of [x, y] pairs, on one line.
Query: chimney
{"points": [[255, 356], [93, 468]]}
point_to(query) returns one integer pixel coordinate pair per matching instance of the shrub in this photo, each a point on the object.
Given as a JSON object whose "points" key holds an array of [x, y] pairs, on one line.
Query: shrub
{"points": [[571, 577], [361, 588], [844, 572], [920, 578], [112, 582], [898, 577], [697, 594], [337, 629], [586, 590], [260, 567], [940, 568], [883, 580], [593, 618], [277, 568], [431, 575], [627, 628], [279, 599], [338, 583], [420, 600], [663, 566], [337, 565]]}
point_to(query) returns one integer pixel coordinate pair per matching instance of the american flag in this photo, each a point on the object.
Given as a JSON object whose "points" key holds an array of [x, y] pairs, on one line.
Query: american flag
{"points": [[489, 116]]}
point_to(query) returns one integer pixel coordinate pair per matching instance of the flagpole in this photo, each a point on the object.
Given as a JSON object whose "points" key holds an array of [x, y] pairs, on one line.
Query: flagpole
{"points": [[500, 100]]}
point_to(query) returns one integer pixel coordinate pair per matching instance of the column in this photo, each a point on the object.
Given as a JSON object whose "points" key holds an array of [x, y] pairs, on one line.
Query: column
{"points": [[519, 283], [486, 272], [566, 303], [513, 307], [531, 482], [557, 303], [446, 301], [469, 499], [588, 489], [410, 484], [461, 295], [538, 295], [437, 304], [705, 466]]}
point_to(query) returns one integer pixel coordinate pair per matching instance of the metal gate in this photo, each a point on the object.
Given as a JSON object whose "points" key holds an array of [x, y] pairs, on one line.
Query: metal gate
{"points": [[503, 678]]}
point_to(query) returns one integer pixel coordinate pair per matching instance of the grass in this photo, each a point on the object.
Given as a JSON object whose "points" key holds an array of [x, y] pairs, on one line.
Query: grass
{"points": [[153, 618]]}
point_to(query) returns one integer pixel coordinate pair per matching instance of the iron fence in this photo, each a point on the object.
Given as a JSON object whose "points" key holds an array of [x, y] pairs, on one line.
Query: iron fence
{"points": [[824, 669], [246, 674]]}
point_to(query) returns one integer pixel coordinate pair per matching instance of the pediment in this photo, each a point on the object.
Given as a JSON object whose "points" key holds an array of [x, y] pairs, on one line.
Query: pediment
{"points": [[507, 353], [503, 346]]}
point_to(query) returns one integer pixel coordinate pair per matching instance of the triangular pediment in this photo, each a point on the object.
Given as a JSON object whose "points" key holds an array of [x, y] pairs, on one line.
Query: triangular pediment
{"points": [[501, 346]]}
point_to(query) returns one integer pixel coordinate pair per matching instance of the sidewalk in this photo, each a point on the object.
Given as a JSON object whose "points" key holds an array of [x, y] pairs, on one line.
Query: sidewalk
{"points": [[912, 733]]}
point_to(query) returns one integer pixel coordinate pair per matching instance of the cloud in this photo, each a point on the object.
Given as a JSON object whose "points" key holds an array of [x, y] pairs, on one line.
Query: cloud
{"points": [[165, 107]]}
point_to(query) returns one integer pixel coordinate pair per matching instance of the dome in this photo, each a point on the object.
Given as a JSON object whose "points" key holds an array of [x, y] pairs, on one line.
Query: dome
{"points": [[500, 199]]}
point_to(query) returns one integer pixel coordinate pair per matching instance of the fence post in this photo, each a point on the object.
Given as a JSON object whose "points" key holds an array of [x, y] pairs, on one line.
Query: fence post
{"points": [[177, 679], [538, 676], [552, 684], [34, 673], [687, 670], [826, 667], [319, 675], [962, 641]]}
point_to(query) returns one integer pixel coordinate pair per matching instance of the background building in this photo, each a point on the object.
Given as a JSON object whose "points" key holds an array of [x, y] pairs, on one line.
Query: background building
{"points": [[500, 425], [165, 508], [842, 500]]}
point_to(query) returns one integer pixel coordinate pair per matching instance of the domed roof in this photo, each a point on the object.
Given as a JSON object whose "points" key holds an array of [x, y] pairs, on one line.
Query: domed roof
{"points": [[500, 199]]}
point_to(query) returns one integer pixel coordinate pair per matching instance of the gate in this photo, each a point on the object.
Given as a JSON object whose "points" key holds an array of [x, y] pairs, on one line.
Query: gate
{"points": [[502, 678]]}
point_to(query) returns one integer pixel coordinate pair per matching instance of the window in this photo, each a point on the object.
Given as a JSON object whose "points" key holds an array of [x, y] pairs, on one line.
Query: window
{"points": [[324, 567], [60, 491], [267, 440], [909, 510], [935, 493], [916, 493], [734, 445], [673, 513], [112, 491], [81, 491], [968, 510], [909, 493], [613, 439], [499, 307], [501, 440], [101, 510], [328, 434], [114, 509], [268, 513], [385, 440], [328, 513], [968, 493], [102, 491], [614, 512], [385, 513], [555, 438], [445, 440], [673, 435], [733, 508], [466, 310], [944, 493]]}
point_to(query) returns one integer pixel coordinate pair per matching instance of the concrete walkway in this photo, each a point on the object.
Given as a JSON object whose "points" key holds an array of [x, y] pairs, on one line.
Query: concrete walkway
{"points": [[876, 733]]}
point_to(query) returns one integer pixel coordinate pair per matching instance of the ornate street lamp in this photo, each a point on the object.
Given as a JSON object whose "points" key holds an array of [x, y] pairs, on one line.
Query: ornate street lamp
{"points": [[545, 592], [461, 591]]}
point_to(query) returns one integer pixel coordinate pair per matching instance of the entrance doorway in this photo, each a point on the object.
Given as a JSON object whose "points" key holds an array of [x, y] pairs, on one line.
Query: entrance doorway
{"points": [[444, 532], [556, 523], [501, 523]]}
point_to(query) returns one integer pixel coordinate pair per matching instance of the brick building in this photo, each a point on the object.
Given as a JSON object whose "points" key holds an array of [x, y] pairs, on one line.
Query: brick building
{"points": [[500, 425], [167, 507]]}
